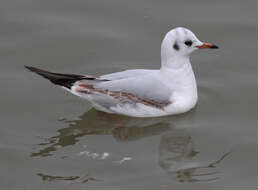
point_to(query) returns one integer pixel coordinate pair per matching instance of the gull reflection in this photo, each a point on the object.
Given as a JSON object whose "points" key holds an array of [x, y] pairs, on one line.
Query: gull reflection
{"points": [[176, 156], [177, 152], [94, 122]]}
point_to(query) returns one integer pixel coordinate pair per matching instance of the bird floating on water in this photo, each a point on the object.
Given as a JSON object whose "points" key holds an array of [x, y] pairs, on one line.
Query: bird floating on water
{"points": [[169, 90]]}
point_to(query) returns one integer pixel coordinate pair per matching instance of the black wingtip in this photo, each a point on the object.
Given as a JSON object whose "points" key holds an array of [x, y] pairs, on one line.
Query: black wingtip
{"points": [[214, 47], [30, 68], [65, 80], [41, 72]]}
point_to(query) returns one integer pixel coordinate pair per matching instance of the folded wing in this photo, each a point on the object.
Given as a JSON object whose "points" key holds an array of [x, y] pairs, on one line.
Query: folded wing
{"points": [[131, 89]]}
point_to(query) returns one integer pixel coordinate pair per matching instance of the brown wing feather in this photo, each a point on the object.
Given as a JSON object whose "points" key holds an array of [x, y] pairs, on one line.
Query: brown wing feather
{"points": [[123, 97]]}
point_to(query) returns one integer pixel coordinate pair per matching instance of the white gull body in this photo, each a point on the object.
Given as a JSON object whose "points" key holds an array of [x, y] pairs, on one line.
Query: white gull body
{"points": [[143, 93]]}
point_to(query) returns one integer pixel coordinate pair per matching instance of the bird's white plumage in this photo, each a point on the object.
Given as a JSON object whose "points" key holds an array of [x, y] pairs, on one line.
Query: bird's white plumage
{"points": [[173, 84]]}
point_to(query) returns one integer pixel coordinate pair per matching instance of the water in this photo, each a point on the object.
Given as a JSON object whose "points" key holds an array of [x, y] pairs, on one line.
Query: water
{"points": [[50, 139]]}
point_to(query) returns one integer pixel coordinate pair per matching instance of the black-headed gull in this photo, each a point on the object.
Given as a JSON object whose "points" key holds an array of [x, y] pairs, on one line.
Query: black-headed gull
{"points": [[142, 93]]}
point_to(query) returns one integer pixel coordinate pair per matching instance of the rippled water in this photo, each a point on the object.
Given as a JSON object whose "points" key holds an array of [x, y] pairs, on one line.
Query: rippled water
{"points": [[53, 140]]}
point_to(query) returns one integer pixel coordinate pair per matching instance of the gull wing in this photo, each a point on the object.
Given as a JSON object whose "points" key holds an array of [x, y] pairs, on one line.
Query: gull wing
{"points": [[146, 89]]}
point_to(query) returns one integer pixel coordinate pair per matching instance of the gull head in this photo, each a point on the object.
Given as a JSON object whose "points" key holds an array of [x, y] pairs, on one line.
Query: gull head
{"points": [[178, 44]]}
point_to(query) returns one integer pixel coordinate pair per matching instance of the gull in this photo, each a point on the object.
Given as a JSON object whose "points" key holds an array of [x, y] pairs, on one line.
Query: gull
{"points": [[170, 90]]}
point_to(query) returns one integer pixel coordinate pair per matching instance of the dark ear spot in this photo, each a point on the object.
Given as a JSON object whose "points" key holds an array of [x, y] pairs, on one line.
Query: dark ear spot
{"points": [[176, 46]]}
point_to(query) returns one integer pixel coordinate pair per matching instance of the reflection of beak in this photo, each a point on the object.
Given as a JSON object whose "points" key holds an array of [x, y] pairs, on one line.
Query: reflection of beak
{"points": [[207, 46]]}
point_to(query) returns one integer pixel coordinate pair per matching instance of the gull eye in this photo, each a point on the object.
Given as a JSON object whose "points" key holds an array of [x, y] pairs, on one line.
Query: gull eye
{"points": [[188, 43]]}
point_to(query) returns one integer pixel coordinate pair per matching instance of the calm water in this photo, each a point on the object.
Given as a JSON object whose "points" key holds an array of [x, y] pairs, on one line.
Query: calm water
{"points": [[50, 139]]}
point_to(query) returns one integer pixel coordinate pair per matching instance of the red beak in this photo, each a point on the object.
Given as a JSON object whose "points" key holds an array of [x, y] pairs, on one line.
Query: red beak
{"points": [[207, 46]]}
